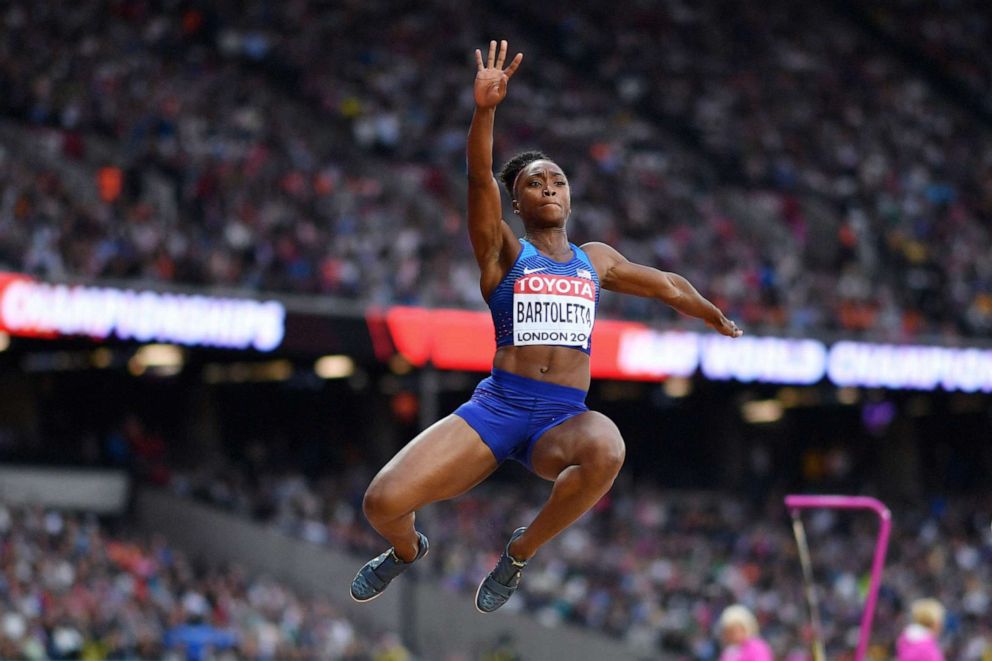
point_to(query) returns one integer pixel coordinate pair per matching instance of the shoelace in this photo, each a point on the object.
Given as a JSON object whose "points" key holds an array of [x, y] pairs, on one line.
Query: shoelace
{"points": [[518, 565]]}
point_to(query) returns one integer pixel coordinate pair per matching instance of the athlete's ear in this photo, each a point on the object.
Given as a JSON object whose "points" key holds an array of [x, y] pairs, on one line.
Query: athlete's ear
{"points": [[516, 207]]}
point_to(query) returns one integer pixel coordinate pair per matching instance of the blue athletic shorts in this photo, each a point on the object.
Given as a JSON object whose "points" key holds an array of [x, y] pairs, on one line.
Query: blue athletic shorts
{"points": [[510, 412]]}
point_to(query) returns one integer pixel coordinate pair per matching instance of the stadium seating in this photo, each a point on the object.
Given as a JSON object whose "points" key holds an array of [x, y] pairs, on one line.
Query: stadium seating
{"points": [[781, 158], [656, 568], [73, 589]]}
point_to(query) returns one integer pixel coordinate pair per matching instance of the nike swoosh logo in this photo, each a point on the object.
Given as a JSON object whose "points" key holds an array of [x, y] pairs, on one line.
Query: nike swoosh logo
{"points": [[528, 271]]}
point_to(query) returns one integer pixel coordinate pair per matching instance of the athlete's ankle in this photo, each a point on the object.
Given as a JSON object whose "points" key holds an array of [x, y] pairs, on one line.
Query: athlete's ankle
{"points": [[518, 552], [407, 552]]}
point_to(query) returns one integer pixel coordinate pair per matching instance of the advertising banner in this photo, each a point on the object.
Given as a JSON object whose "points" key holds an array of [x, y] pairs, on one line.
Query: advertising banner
{"points": [[37, 309], [464, 340]]}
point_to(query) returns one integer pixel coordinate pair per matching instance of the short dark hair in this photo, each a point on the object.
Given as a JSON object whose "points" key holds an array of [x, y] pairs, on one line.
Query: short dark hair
{"points": [[508, 173]]}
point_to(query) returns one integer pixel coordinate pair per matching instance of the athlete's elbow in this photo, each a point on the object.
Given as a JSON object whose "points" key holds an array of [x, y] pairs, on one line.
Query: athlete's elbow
{"points": [[672, 297]]}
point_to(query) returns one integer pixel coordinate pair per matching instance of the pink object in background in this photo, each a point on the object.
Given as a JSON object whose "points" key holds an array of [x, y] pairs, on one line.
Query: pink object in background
{"points": [[917, 643], [752, 649], [802, 501]]}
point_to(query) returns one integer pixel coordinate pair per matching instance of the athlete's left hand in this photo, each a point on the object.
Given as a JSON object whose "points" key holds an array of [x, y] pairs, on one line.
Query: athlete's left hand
{"points": [[726, 327]]}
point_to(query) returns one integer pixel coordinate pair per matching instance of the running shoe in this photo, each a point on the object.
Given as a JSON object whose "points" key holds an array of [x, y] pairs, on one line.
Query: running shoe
{"points": [[502, 582], [372, 579]]}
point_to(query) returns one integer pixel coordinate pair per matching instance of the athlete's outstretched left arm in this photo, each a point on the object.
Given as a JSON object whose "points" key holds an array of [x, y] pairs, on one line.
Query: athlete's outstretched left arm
{"points": [[623, 276]]}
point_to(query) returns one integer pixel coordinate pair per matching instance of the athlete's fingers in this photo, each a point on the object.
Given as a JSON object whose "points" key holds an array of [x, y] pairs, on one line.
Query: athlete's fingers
{"points": [[502, 54], [478, 59], [492, 55], [513, 65], [726, 327]]}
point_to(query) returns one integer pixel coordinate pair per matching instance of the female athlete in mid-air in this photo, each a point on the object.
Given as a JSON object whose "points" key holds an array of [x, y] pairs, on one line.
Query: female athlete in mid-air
{"points": [[542, 291]]}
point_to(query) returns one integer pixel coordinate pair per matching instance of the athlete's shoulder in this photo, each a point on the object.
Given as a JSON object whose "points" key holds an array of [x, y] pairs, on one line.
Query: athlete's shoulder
{"points": [[599, 248], [597, 245], [602, 256]]}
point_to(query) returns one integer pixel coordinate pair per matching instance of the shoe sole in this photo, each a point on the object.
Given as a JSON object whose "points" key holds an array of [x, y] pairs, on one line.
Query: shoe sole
{"points": [[383, 591]]}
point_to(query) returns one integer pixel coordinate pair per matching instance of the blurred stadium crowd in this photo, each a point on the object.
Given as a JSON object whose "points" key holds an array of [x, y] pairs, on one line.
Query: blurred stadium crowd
{"points": [[72, 589], [655, 568], [807, 177]]}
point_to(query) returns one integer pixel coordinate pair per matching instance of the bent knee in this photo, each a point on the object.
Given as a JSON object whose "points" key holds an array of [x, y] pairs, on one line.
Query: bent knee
{"points": [[381, 503], [605, 455]]}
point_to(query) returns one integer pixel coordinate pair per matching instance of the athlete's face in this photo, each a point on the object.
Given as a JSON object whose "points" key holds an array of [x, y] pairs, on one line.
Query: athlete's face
{"points": [[542, 194]]}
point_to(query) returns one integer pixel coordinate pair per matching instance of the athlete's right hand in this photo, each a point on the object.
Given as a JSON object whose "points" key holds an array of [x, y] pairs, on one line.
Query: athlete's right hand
{"points": [[725, 326], [491, 78]]}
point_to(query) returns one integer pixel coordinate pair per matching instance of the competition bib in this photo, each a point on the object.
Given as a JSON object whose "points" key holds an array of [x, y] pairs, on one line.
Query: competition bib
{"points": [[553, 309]]}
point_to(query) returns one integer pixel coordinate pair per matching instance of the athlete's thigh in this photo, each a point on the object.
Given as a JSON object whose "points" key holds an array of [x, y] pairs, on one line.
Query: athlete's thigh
{"points": [[573, 441], [443, 461]]}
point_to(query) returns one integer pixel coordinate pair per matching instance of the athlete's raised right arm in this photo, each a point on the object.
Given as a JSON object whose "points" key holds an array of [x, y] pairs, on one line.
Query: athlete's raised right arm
{"points": [[487, 230]]}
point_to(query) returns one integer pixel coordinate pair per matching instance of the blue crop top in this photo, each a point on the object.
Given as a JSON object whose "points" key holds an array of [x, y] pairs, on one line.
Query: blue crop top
{"points": [[541, 301]]}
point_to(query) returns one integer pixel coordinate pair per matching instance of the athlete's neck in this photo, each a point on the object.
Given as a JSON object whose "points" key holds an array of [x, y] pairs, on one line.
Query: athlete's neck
{"points": [[552, 241]]}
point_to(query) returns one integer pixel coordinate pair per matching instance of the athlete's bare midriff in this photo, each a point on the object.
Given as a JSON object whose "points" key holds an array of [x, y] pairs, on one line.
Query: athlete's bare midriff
{"points": [[561, 365]]}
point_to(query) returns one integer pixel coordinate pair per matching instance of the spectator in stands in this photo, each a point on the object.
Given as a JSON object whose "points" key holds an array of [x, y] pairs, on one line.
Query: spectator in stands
{"points": [[740, 636], [920, 641], [197, 638]]}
